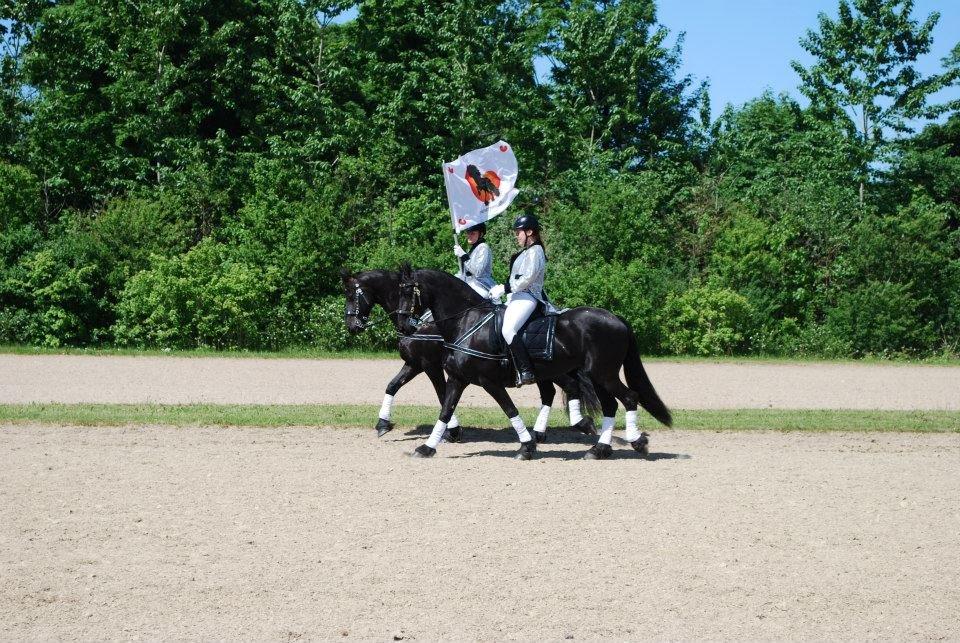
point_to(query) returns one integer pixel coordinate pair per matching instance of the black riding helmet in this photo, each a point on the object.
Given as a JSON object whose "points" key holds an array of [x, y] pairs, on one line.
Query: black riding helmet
{"points": [[479, 227], [527, 222]]}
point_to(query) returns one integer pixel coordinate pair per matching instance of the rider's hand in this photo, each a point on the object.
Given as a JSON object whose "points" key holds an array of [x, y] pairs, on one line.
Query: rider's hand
{"points": [[497, 291], [457, 250]]}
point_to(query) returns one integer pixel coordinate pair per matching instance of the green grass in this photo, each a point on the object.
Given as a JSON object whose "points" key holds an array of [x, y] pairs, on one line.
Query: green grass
{"points": [[411, 416]]}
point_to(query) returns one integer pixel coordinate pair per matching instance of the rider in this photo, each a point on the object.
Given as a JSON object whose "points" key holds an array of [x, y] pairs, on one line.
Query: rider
{"points": [[476, 264], [527, 271]]}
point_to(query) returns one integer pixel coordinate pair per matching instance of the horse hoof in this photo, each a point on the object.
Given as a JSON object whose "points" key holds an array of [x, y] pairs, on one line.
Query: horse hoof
{"points": [[454, 434], [540, 437], [383, 427], [585, 426], [641, 445], [423, 451], [527, 449], [599, 452]]}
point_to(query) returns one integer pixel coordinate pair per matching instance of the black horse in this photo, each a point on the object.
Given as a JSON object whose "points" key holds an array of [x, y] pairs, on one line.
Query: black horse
{"points": [[591, 339], [422, 351]]}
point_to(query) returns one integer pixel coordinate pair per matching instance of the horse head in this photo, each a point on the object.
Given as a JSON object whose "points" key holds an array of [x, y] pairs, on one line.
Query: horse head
{"points": [[356, 313]]}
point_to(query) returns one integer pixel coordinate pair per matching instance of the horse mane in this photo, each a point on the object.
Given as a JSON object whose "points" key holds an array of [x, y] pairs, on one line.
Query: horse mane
{"points": [[448, 283]]}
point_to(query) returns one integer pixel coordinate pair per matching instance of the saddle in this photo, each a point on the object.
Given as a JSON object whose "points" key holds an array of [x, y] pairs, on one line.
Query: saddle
{"points": [[537, 333]]}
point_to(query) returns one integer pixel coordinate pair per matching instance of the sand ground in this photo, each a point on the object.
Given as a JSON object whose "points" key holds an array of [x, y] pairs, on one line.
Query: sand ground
{"points": [[682, 385], [321, 533], [147, 532]]}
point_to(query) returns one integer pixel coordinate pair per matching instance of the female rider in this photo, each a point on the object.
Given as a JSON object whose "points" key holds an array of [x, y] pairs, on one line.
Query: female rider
{"points": [[527, 271], [476, 264]]}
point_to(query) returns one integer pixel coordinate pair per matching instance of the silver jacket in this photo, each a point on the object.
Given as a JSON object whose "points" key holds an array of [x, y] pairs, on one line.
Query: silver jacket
{"points": [[528, 272], [476, 267]]}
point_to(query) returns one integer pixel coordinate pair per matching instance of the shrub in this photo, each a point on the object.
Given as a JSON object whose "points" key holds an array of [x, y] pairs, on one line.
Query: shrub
{"points": [[879, 318], [706, 321]]}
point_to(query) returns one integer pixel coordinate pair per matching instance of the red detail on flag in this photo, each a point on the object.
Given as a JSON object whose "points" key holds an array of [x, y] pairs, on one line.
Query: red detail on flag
{"points": [[462, 221], [504, 148], [450, 170]]}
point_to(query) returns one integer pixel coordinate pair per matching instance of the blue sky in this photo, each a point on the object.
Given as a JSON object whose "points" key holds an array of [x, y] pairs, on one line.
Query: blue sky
{"points": [[744, 47]]}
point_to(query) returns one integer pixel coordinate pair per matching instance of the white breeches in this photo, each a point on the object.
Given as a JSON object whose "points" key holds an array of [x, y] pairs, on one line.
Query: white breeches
{"points": [[521, 306]]}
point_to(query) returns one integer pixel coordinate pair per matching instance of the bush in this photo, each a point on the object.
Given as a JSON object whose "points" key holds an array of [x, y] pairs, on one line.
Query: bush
{"points": [[706, 321], [879, 318], [201, 299]]}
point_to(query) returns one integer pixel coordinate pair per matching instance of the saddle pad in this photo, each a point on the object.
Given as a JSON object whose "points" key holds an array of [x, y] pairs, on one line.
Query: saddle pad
{"points": [[538, 337]]}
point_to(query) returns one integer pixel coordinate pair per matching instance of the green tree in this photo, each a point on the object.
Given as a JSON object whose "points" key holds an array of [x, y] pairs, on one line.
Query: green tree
{"points": [[864, 71], [615, 85]]}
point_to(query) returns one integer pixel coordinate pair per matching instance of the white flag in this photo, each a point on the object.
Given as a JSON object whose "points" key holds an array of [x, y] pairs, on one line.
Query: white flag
{"points": [[480, 184]]}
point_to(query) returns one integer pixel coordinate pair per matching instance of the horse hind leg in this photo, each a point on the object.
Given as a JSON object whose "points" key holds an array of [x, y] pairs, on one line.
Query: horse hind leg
{"points": [[608, 405], [631, 400]]}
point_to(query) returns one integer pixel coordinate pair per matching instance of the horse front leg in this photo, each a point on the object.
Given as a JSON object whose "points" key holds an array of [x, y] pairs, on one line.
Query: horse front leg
{"points": [[407, 373], [451, 397], [528, 446], [435, 373]]}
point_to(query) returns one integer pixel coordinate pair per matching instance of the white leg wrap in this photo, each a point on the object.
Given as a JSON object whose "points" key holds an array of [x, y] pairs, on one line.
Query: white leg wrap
{"points": [[437, 434], [575, 415], [541, 424], [521, 429], [606, 431], [633, 433], [454, 422], [386, 406]]}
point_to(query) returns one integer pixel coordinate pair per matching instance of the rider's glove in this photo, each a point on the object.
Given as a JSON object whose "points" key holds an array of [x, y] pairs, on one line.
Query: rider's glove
{"points": [[497, 291], [457, 250]]}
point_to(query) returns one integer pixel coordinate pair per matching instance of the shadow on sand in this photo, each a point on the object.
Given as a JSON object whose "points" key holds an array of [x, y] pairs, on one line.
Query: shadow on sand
{"points": [[508, 436]]}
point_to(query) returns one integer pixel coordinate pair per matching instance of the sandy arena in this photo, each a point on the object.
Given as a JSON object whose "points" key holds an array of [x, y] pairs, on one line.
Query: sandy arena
{"points": [[324, 533]]}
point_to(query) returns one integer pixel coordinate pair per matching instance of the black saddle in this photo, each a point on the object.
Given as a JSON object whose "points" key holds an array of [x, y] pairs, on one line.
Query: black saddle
{"points": [[537, 333]]}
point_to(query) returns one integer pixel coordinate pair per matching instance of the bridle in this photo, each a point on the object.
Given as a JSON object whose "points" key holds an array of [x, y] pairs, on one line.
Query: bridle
{"points": [[416, 301], [359, 295]]}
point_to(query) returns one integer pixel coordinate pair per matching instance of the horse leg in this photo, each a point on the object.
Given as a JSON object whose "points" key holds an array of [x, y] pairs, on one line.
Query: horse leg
{"points": [[547, 392], [528, 446], [435, 373], [608, 404], [407, 373], [571, 386], [630, 399], [451, 397]]}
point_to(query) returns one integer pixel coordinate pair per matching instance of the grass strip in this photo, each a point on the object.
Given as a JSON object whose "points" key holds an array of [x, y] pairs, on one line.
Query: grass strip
{"points": [[366, 415]]}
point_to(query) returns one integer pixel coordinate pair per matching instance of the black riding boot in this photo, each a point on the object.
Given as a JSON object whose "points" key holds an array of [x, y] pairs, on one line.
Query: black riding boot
{"points": [[522, 359]]}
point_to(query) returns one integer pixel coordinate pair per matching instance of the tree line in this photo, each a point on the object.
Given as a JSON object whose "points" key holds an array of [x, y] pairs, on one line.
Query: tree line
{"points": [[194, 174]]}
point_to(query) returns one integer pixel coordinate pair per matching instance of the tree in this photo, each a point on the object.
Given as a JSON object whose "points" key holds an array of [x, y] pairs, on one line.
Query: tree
{"points": [[864, 71], [615, 84]]}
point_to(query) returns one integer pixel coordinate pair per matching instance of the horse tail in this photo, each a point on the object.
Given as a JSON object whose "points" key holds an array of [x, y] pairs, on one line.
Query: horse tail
{"points": [[638, 381], [589, 401]]}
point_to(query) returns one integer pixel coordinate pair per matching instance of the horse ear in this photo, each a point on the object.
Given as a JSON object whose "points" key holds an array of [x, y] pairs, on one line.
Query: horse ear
{"points": [[344, 274], [405, 269]]}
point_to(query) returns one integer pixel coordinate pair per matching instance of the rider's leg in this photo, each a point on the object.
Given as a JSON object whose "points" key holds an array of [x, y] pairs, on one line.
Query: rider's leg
{"points": [[518, 311]]}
